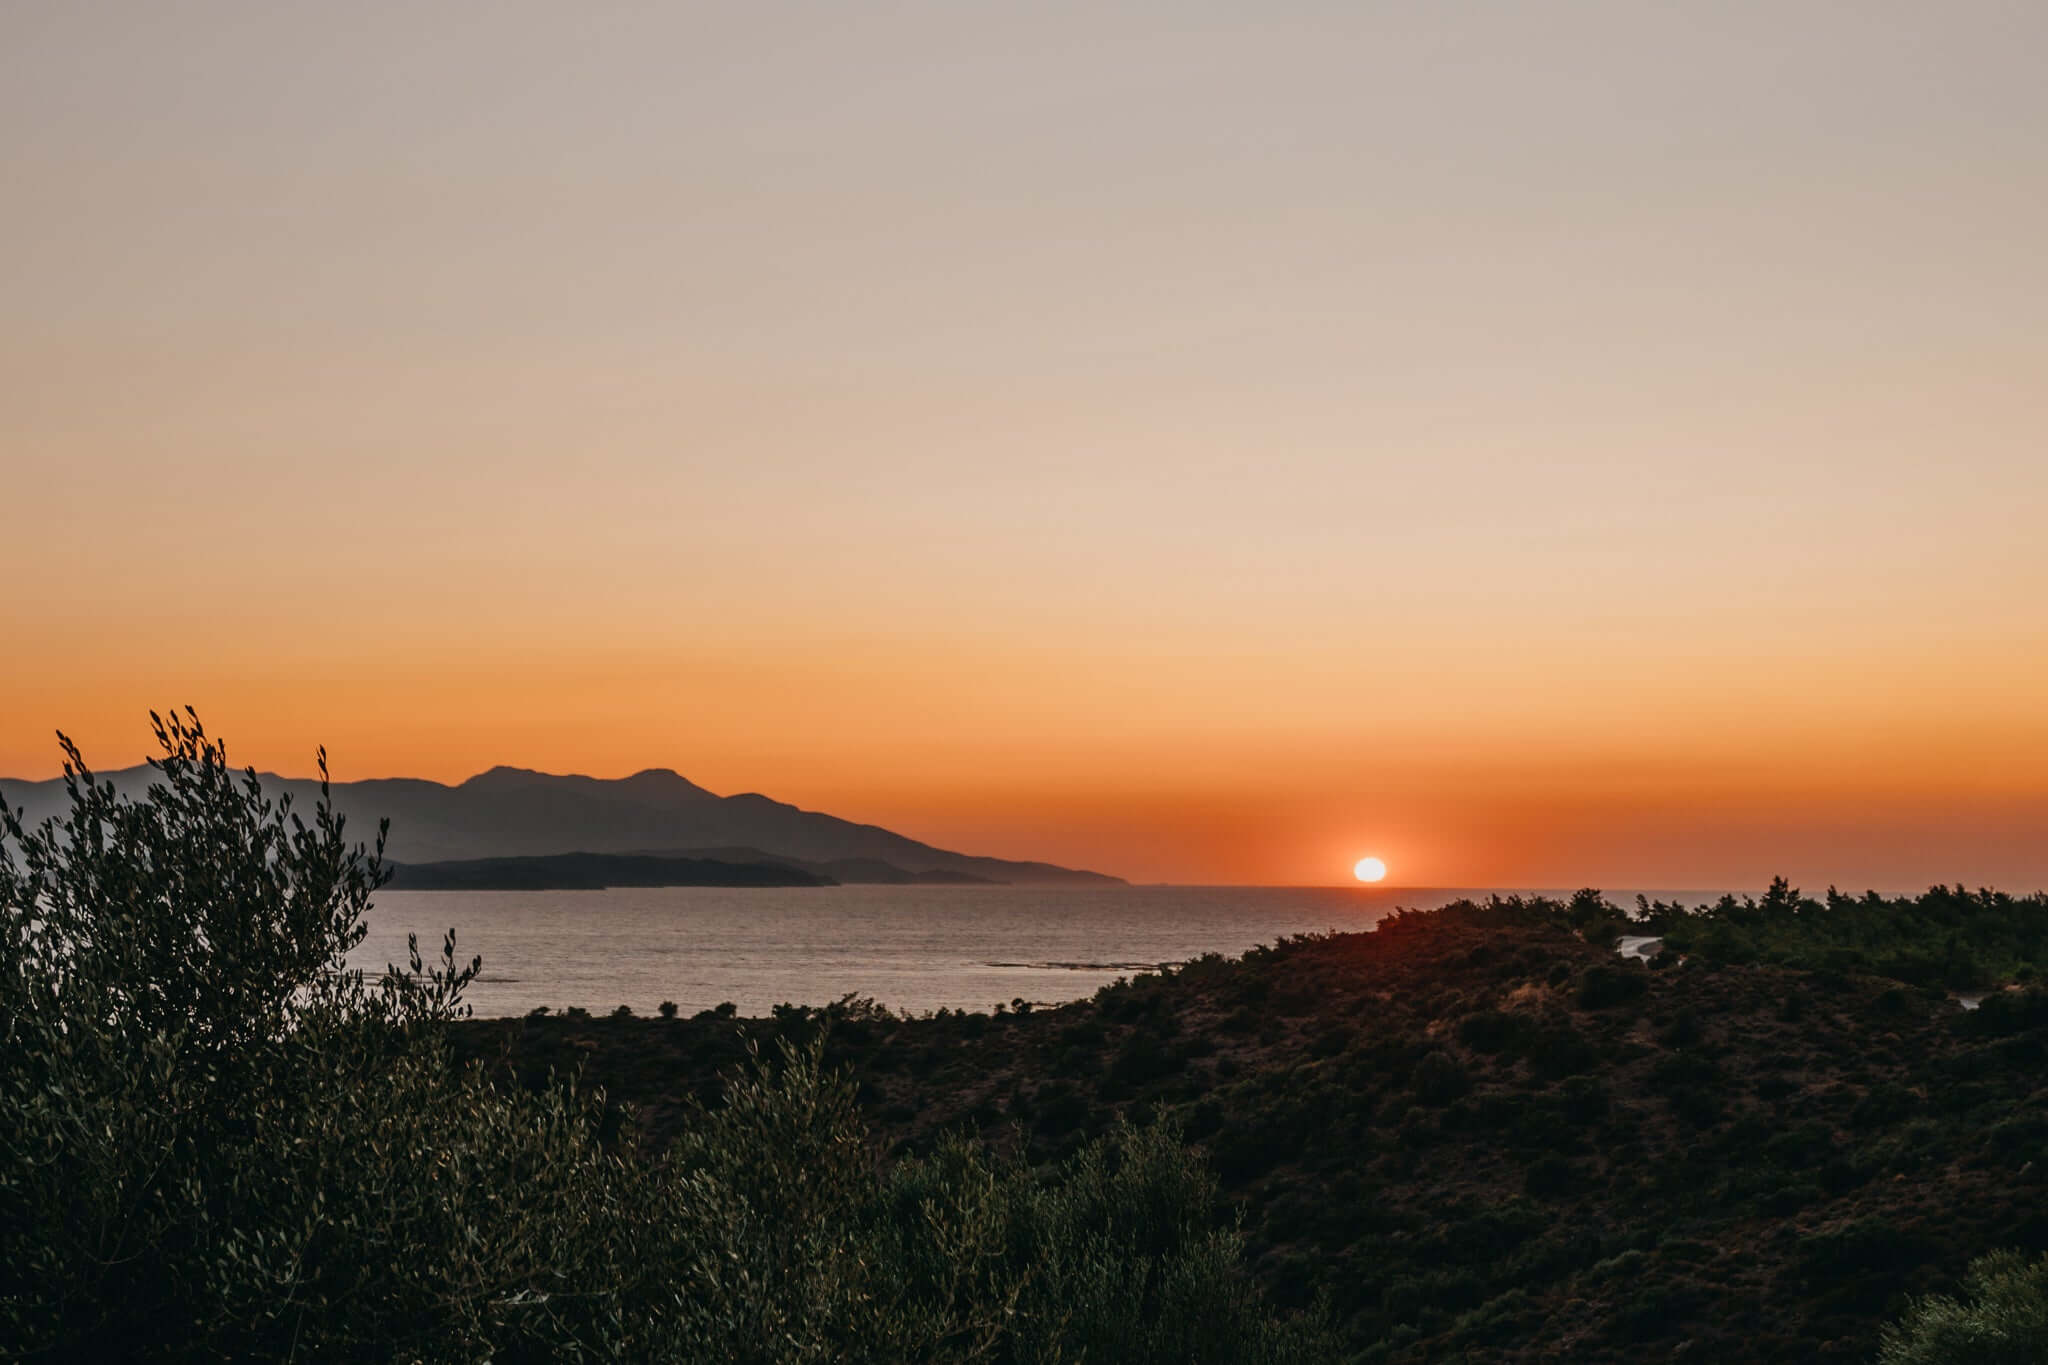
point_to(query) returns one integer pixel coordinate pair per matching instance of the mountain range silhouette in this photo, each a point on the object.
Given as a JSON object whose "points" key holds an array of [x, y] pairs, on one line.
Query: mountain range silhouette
{"points": [[519, 813]]}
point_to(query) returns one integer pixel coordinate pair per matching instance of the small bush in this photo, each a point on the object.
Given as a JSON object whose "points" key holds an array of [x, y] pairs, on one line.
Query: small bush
{"points": [[1242, 1021], [1584, 1100], [1059, 1108], [1684, 1031], [1604, 987], [1441, 1078], [1491, 1031], [1549, 1177], [1562, 1053], [1331, 1042], [1142, 1060]]}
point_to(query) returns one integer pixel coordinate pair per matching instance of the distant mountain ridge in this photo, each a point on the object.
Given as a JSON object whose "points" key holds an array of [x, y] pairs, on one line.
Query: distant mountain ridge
{"points": [[516, 812]]}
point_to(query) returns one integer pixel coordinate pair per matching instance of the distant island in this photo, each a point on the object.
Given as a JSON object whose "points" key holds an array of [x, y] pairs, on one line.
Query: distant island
{"points": [[517, 814], [592, 872], [849, 871], [600, 871]]}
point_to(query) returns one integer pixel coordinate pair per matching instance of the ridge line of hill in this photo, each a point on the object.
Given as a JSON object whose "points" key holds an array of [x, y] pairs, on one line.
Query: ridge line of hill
{"points": [[507, 812]]}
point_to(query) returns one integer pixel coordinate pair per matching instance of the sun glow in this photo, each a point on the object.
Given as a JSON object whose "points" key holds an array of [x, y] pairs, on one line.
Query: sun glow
{"points": [[1369, 870]]}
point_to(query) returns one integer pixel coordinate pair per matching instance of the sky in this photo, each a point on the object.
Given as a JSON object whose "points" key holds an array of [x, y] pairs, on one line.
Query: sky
{"points": [[1540, 444]]}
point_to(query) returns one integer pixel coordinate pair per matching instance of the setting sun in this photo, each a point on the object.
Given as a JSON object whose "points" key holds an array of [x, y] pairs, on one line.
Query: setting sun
{"points": [[1369, 870]]}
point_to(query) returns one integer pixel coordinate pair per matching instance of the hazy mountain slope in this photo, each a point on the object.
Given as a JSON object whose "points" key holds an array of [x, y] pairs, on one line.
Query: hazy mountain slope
{"points": [[514, 812]]}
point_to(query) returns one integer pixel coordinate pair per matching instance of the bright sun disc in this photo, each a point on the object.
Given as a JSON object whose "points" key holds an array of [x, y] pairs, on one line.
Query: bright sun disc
{"points": [[1369, 870]]}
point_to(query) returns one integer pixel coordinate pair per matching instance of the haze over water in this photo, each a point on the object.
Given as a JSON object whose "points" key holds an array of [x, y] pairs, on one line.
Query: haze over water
{"points": [[910, 948]]}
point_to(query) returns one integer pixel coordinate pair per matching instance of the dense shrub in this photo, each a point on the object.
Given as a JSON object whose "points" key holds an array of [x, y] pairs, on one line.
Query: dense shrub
{"points": [[1603, 987], [1561, 1053], [1441, 1078], [1551, 1176], [1141, 1060], [1948, 938], [1491, 1031], [2001, 1320]]}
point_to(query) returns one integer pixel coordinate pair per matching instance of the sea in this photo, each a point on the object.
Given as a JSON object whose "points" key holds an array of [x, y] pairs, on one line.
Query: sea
{"points": [[910, 948]]}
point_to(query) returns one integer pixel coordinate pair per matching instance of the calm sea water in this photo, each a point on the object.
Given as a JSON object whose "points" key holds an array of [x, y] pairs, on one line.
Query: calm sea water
{"points": [[911, 948]]}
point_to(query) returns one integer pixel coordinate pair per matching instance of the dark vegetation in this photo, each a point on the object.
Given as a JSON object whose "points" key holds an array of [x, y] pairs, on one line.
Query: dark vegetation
{"points": [[1473, 1134], [1478, 1134], [2002, 1320], [216, 1143], [1954, 938], [593, 872]]}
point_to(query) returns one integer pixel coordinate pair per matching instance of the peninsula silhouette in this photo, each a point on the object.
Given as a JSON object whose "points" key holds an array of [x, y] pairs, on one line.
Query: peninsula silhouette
{"points": [[517, 813]]}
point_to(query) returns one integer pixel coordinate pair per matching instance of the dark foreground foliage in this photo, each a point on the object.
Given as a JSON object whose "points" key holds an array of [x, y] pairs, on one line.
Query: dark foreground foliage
{"points": [[2003, 1320], [1949, 937], [216, 1143], [1481, 1135]]}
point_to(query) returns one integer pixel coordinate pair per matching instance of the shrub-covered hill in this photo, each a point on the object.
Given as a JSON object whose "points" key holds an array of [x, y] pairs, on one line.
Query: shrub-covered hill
{"points": [[1477, 1132]]}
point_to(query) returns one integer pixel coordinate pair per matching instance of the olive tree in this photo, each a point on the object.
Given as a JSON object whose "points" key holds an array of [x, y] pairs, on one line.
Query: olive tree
{"points": [[2002, 1319], [218, 1139]]}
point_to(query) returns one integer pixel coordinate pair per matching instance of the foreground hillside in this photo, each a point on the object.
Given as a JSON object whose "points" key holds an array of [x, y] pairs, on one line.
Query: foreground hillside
{"points": [[1476, 1132]]}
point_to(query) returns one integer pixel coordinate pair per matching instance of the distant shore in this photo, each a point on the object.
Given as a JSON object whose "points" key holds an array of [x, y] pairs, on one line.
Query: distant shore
{"points": [[593, 872]]}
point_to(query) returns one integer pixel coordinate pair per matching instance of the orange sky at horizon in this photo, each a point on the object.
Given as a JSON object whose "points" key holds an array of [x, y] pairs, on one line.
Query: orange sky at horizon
{"points": [[1524, 794], [1542, 447]]}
